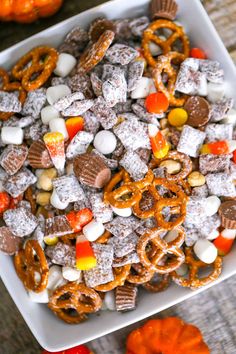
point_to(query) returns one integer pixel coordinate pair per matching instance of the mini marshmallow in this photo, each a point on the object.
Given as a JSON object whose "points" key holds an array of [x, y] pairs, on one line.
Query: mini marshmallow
{"points": [[171, 236], [56, 202], [230, 117], [125, 212], [48, 113], [205, 251], [105, 142], [65, 64], [54, 93], [215, 92], [71, 274], [229, 233], [12, 135], [143, 88], [109, 302], [212, 205], [55, 278], [182, 270], [213, 235], [93, 230], [41, 298], [59, 125]]}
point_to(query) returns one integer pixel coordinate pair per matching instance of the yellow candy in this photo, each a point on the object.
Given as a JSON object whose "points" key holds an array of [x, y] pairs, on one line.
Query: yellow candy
{"points": [[162, 153], [86, 263], [50, 241], [205, 149], [177, 117]]}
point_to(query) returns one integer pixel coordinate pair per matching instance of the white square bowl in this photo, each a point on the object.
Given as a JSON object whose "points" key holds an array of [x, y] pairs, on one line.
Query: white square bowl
{"points": [[52, 333]]}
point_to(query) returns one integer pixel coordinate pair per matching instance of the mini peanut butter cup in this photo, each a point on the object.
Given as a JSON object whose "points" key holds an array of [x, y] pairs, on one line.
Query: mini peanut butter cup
{"points": [[91, 170], [163, 9], [126, 296], [38, 155], [198, 110], [227, 212]]}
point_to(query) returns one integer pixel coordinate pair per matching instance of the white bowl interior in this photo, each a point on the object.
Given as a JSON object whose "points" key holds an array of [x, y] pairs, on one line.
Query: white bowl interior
{"points": [[51, 333]]}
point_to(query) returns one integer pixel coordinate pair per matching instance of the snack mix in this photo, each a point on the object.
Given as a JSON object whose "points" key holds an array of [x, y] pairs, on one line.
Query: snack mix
{"points": [[118, 165]]}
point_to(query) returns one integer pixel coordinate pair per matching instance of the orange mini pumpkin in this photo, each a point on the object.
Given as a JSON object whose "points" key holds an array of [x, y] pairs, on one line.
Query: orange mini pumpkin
{"points": [[166, 336], [26, 11]]}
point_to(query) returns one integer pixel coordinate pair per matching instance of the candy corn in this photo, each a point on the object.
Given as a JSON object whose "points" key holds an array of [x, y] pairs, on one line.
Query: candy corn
{"points": [[224, 241], [197, 53], [234, 156], [159, 145], [74, 125], [55, 144], [219, 147], [157, 103], [85, 258], [4, 201], [78, 219]]}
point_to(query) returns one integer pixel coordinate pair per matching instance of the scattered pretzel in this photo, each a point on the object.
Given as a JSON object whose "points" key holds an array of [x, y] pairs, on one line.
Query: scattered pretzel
{"points": [[9, 87], [96, 52], [71, 297], [163, 249], [104, 238], [143, 275], [29, 196], [194, 281], [40, 61], [166, 45], [30, 261], [158, 286], [69, 239], [164, 66], [120, 274]]}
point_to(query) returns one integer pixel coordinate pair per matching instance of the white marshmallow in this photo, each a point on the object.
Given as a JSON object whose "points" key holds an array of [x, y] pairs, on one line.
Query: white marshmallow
{"points": [[65, 64], [56, 202], [109, 302], [182, 270], [41, 298], [48, 113], [125, 212], [55, 278], [213, 235], [171, 235], [212, 205], [71, 274], [215, 91], [54, 93], [229, 233], [12, 135], [230, 117], [205, 251], [93, 230], [59, 125], [232, 145], [143, 88], [105, 142]]}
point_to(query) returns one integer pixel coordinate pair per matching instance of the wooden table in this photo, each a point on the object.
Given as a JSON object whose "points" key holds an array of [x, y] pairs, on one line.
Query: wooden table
{"points": [[214, 310]]}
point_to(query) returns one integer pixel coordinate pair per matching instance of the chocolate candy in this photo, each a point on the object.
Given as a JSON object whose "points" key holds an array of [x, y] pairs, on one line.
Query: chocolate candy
{"points": [[126, 297], [39, 156], [9, 243], [163, 9], [91, 170], [227, 213], [198, 111]]}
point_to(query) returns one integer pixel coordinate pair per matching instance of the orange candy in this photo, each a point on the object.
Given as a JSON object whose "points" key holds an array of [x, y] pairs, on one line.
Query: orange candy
{"points": [[157, 103], [216, 148], [4, 201], [85, 258], [224, 242], [197, 53], [234, 156], [74, 125], [78, 219]]}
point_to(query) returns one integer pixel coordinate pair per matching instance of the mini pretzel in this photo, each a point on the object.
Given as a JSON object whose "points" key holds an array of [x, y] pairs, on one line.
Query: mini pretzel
{"points": [[166, 45], [120, 274], [104, 238], [40, 61], [9, 87], [142, 275], [96, 52], [158, 263], [164, 65], [29, 196], [30, 261], [185, 161], [114, 196], [176, 204], [69, 239], [158, 286], [72, 296], [193, 280]]}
